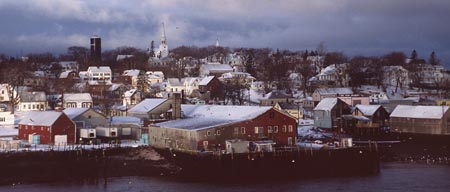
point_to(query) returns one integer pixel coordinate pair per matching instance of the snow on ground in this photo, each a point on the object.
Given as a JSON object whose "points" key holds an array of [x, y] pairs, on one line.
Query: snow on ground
{"points": [[310, 133], [42, 147], [303, 122], [310, 145], [256, 95], [8, 131]]}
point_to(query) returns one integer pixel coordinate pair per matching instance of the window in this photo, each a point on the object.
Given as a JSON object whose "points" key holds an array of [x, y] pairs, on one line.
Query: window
{"points": [[242, 130], [269, 129], [272, 115], [283, 129], [236, 130], [275, 129], [2, 119], [290, 141], [208, 133], [290, 129], [217, 132]]}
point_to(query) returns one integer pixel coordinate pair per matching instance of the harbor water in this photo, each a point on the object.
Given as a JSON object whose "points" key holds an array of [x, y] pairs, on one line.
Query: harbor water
{"points": [[392, 177]]}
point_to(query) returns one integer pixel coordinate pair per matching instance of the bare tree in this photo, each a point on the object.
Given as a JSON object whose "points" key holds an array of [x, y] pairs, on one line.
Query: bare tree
{"points": [[321, 50], [306, 71], [394, 58], [335, 58], [14, 78], [235, 91]]}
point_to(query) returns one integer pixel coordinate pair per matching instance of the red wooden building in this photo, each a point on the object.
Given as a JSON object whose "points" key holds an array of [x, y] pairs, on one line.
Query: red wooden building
{"points": [[51, 126], [208, 127]]}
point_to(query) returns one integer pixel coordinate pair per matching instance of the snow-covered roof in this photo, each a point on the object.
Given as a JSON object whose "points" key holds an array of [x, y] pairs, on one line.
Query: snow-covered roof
{"points": [[326, 104], [207, 116], [333, 91], [132, 72], [65, 74], [394, 68], [147, 105], [206, 80], [95, 82], [66, 63], [174, 82], [419, 112], [328, 70], [114, 86], [129, 93], [70, 97], [368, 110], [121, 57], [191, 81], [45, 118], [125, 120], [229, 75], [99, 69], [72, 113], [217, 67], [35, 96], [277, 95]]}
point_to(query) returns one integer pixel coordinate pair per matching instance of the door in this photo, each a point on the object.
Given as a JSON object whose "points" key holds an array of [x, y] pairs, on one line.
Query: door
{"points": [[290, 141], [60, 139]]}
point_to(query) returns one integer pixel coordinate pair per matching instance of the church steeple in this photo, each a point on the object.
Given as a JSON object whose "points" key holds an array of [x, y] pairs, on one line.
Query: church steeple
{"points": [[163, 37], [217, 42]]}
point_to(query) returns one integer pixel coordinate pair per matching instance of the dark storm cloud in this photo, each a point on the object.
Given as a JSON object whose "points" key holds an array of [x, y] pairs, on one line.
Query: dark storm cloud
{"points": [[353, 26]]}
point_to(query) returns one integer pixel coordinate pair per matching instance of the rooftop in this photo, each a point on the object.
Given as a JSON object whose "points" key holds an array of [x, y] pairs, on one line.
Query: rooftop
{"points": [[419, 112], [45, 118], [205, 116], [147, 105]]}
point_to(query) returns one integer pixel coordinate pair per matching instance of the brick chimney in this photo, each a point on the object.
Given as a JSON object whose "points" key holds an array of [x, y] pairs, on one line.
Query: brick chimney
{"points": [[176, 105]]}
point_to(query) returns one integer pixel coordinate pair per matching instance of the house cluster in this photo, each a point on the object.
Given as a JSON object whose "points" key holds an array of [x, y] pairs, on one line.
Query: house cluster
{"points": [[193, 113], [364, 120]]}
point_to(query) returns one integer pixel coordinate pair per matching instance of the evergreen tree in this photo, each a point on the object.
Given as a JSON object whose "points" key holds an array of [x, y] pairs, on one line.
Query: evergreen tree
{"points": [[433, 60], [414, 55]]}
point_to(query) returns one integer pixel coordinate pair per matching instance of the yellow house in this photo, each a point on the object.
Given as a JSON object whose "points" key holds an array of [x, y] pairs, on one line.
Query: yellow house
{"points": [[293, 110]]}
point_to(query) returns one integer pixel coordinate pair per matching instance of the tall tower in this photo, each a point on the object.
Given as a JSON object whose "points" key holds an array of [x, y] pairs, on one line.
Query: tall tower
{"points": [[96, 49], [163, 48], [217, 42]]}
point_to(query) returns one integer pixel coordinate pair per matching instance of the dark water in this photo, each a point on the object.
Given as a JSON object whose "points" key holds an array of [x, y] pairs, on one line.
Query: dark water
{"points": [[393, 177]]}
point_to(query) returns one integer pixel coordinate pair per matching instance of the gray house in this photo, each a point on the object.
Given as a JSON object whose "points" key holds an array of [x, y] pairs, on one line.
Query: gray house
{"points": [[328, 113], [86, 117], [151, 109]]}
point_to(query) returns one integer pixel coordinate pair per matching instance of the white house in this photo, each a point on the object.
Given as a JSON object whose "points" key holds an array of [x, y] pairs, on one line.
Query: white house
{"points": [[215, 69], [431, 74], [4, 96], [131, 76], [188, 84], [336, 74], [69, 65], [77, 100], [131, 97], [154, 77], [32, 101], [6, 118], [395, 76], [174, 85], [241, 77], [95, 75]]}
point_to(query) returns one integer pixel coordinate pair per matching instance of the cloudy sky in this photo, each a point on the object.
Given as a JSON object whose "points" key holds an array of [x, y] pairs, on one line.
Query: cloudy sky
{"points": [[353, 26]]}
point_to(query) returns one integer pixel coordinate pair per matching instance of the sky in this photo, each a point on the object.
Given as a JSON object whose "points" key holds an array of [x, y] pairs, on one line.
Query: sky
{"points": [[355, 27]]}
